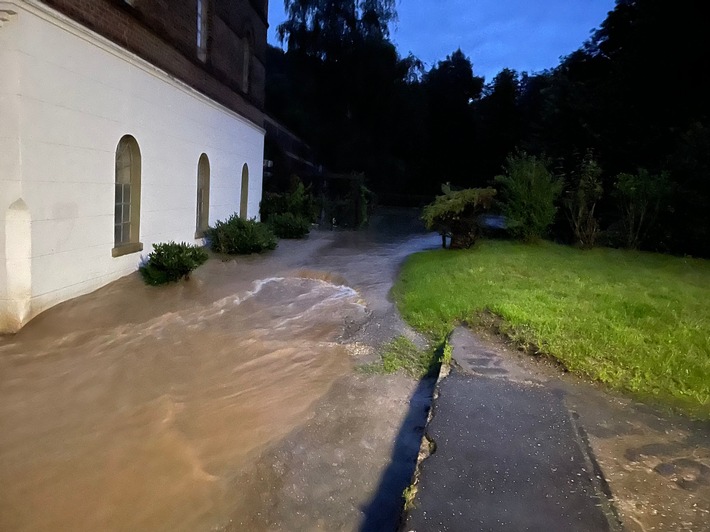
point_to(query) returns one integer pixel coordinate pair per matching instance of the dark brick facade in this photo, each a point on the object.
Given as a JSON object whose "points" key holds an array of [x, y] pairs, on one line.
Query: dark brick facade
{"points": [[164, 32]]}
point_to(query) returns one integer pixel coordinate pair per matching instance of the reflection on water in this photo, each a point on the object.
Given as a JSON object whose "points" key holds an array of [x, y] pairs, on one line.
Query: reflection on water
{"points": [[144, 425]]}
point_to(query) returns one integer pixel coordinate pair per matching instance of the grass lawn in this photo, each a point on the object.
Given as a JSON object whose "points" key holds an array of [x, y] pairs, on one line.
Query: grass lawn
{"points": [[637, 321]]}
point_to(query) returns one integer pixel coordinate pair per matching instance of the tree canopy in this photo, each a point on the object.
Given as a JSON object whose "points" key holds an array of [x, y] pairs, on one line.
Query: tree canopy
{"points": [[633, 94], [326, 29]]}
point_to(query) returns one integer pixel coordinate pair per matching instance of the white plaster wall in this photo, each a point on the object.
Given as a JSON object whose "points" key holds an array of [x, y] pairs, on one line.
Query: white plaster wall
{"points": [[10, 184], [78, 95]]}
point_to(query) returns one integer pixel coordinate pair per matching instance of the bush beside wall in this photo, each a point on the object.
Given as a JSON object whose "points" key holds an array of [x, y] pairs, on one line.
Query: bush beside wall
{"points": [[236, 236], [170, 262]]}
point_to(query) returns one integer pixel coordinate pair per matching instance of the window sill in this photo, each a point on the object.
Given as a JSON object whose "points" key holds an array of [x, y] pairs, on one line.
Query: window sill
{"points": [[127, 249]]}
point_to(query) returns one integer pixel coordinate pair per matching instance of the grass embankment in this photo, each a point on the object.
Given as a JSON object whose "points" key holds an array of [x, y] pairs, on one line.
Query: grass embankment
{"points": [[636, 321]]}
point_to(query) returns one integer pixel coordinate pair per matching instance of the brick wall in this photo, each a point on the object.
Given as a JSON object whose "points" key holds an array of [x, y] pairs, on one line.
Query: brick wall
{"points": [[164, 32]]}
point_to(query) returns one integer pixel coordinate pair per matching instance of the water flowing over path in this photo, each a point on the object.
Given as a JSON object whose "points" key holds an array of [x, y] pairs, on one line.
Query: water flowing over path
{"points": [[137, 408]]}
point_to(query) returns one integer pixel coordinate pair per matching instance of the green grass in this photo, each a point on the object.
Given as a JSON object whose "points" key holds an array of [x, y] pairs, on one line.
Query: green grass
{"points": [[409, 495], [637, 321], [401, 354]]}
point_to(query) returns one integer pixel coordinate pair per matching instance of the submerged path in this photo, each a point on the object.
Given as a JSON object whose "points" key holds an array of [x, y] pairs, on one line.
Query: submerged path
{"points": [[229, 401]]}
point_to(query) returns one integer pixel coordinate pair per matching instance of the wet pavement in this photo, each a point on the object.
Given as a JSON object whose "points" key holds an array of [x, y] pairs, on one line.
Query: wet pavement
{"points": [[519, 445], [507, 457]]}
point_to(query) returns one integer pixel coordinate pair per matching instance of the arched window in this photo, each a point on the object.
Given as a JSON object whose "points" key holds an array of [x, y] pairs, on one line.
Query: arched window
{"points": [[203, 196], [244, 200], [126, 225]]}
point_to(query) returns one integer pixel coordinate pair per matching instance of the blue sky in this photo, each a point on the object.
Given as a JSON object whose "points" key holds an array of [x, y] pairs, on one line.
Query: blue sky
{"points": [[526, 35]]}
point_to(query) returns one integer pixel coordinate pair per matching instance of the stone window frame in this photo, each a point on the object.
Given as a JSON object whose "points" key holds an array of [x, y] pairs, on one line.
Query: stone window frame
{"points": [[127, 197], [203, 196]]}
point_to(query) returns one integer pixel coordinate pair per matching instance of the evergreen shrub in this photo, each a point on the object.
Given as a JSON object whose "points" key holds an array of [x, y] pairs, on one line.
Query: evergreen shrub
{"points": [[529, 192], [236, 236], [287, 225], [170, 262], [455, 214], [289, 214]]}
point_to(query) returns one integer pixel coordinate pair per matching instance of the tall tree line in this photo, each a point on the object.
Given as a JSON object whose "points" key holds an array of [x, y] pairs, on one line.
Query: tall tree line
{"points": [[633, 97]]}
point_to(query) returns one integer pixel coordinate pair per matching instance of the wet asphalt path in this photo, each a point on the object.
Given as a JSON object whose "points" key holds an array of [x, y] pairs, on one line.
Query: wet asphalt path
{"points": [[508, 454]]}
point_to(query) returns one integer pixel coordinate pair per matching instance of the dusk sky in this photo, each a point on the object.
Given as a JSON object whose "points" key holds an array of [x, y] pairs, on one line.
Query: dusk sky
{"points": [[526, 35]]}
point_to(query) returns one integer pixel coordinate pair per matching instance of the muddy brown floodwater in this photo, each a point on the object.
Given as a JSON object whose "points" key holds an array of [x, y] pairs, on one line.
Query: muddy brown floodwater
{"points": [[138, 408], [133, 427], [134, 408]]}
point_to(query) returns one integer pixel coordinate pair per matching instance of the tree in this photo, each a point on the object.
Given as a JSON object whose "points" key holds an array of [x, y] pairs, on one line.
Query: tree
{"points": [[340, 76], [640, 196], [585, 190], [689, 171], [529, 192], [500, 120], [328, 28], [635, 94], [451, 89]]}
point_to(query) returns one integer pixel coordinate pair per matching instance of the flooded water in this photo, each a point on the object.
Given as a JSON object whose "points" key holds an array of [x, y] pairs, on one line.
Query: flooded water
{"points": [[141, 408], [134, 408]]}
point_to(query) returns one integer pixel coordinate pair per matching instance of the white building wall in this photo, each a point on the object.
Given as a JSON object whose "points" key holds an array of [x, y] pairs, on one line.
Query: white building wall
{"points": [[72, 98]]}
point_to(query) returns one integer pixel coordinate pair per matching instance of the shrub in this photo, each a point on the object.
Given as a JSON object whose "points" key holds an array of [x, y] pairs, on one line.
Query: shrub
{"points": [[639, 196], [581, 201], [529, 192], [298, 201], [289, 214], [170, 262], [272, 203], [287, 225], [365, 205], [456, 213], [236, 236]]}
